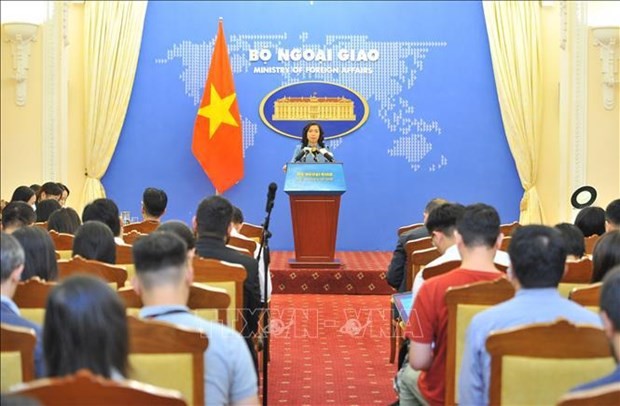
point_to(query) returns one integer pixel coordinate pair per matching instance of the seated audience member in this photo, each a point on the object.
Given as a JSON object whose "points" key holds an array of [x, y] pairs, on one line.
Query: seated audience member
{"points": [[610, 315], [181, 230], [106, 211], [17, 215], [422, 380], [64, 220], [606, 255], [573, 241], [154, 202], [163, 278], [237, 222], [85, 326], [591, 221], [395, 275], [612, 216], [35, 188], [12, 262], [65, 194], [537, 256], [24, 194], [94, 240], [49, 190], [45, 208], [441, 224], [213, 224], [40, 253]]}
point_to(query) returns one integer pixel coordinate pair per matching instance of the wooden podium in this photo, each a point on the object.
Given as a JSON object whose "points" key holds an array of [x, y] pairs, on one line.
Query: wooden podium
{"points": [[314, 191]]}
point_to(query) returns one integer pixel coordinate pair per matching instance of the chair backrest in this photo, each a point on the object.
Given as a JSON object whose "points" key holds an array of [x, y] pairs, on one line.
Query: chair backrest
{"points": [[41, 224], [132, 236], [144, 227], [463, 303], [77, 265], [587, 296], [239, 250], [603, 395], [168, 356], [430, 272], [252, 231], [537, 364], [509, 228], [409, 227], [63, 243], [417, 258], [227, 276], [590, 242], [84, 388], [578, 271], [505, 243], [31, 298], [207, 302], [16, 355], [124, 258], [249, 245]]}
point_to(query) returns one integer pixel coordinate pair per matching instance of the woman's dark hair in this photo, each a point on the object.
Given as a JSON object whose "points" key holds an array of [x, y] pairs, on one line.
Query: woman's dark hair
{"points": [[181, 230], [94, 240], [22, 194], [40, 253], [606, 255], [50, 189], [591, 220], [64, 220], [85, 327], [45, 208], [64, 188], [304, 135], [573, 239], [35, 188]]}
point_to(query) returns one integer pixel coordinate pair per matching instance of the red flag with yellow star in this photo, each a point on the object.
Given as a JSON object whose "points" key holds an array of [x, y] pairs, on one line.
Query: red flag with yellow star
{"points": [[217, 142]]}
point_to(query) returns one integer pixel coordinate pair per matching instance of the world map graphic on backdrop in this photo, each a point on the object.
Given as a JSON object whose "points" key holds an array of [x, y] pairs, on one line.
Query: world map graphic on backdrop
{"points": [[383, 82]]}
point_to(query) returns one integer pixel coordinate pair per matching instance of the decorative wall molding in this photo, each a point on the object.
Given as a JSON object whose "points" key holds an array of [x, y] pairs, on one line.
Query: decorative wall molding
{"points": [[563, 24]]}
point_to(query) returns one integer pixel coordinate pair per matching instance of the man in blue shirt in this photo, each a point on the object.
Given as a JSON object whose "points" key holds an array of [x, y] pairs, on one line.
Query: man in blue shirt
{"points": [[163, 278], [537, 256], [12, 266]]}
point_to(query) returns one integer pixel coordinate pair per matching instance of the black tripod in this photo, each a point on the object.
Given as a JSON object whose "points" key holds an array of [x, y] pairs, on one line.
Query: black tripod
{"points": [[264, 251]]}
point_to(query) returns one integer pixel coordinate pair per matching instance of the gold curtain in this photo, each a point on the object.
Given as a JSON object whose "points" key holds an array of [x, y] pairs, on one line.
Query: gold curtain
{"points": [[513, 28], [113, 34]]}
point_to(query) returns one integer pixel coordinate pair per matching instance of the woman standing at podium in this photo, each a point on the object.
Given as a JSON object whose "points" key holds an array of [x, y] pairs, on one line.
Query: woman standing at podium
{"points": [[312, 148]]}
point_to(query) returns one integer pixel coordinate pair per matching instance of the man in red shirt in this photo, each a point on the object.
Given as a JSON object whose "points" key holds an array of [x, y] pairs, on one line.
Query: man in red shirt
{"points": [[422, 380]]}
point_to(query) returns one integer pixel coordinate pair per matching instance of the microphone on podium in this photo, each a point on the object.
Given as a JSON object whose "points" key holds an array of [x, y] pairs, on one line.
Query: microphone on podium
{"points": [[327, 154], [305, 151]]}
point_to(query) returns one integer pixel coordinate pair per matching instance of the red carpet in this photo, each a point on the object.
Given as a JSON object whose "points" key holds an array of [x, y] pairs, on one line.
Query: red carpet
{"points": [[363, 273], [330, 349]]}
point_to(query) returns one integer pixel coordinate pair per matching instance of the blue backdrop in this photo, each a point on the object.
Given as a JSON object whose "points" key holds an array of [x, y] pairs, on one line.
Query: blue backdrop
{"points": [[434, 128]]}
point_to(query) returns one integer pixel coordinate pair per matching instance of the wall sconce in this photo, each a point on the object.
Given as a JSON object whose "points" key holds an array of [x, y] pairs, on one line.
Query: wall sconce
{"points": [[606, 38], [20, 35]]}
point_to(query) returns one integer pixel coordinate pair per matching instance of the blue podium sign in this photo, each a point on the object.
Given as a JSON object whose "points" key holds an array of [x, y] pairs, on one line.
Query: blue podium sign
{"points": [[313, 179]]}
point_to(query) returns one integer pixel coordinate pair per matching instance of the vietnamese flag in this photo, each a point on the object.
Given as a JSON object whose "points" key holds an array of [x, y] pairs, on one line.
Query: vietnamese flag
{"points": [[217, 142]]}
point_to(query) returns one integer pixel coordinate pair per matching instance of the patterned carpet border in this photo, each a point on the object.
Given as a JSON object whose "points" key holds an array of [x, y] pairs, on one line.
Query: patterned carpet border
{"points": [[363, 273]]}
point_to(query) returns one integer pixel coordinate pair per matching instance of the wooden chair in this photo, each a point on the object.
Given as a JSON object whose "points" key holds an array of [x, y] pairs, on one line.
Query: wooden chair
{"points": [[578, 274], [252, 231], [419, 259], [603, 395], [207, 302], [41, 224], [63, 243], [240, 250], [409, 227], [16, 355], [505, 243], [78, 265], [124, 258], [31, 298], [227, 276], [590, 242], [537, 364], [587, 296], [509, 228], [248, 245], [431, 272], [463, 303], [85, 388], [143, 227], [132, 236], [168, 356]]}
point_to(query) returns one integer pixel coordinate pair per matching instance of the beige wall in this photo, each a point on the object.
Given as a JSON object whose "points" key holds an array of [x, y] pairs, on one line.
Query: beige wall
{"points": [[20, 127]]}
